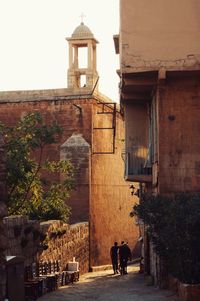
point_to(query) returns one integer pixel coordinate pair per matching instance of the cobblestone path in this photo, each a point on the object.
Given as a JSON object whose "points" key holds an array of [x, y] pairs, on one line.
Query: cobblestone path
{"points": [[104, 286]]}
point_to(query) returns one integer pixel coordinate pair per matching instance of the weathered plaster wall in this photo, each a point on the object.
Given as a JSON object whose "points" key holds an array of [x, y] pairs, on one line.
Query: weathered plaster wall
{"points": [[111, 201], [179, 140], [159, 33]]}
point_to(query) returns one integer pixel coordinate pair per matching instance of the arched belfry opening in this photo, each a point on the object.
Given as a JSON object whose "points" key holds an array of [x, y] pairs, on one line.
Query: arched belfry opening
{"points": [[82, 48]]}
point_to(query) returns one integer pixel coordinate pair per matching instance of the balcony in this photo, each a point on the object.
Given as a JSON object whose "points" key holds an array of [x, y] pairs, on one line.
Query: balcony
{"points": [[138, 86], [138, 164]]}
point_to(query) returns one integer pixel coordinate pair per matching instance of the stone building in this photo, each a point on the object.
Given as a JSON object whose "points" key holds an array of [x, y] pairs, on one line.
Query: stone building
{"points": [[92, 139], [159, 73]]}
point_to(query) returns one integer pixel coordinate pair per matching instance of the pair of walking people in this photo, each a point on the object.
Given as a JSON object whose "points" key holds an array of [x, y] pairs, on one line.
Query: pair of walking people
{"points": [[122, 254]]}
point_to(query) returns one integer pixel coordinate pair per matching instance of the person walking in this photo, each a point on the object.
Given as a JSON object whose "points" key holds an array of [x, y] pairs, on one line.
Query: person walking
{"points": [[114, 257], [124, 256]]}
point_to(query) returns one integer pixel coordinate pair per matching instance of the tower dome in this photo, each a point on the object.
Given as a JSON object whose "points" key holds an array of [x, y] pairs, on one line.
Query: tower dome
{"points": [[82, 32], [82, 78]]}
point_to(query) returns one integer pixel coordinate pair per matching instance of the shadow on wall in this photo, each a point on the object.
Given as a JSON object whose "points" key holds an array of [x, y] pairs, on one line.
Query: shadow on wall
{"points": [[136, 251]]}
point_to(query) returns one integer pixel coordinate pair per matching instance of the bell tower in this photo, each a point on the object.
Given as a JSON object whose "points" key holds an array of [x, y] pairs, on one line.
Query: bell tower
{"points": [[82, 37]]}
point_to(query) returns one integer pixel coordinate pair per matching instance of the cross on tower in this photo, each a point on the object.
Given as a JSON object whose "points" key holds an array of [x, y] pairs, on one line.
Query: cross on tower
{"points": [[82, 16]]}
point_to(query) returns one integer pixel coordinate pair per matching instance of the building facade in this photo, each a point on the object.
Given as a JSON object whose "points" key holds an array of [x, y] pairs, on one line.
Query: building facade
{"points": [[159, 50], [92, 139]]}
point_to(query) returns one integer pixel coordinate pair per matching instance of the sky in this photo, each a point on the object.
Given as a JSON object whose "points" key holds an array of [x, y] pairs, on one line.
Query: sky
{"points": [[33, 49]]}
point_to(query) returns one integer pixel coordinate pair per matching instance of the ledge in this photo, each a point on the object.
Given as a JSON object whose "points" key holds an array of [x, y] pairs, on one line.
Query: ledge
{"points": [[139, 178]]}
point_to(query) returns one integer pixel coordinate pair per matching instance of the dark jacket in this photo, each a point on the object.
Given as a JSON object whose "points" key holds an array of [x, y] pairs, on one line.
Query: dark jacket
{"points": [[125, 252], [114, 252]]}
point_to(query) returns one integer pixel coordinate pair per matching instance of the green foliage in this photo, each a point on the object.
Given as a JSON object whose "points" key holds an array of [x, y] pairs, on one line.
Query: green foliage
{"points": [[29, 192], [173, 224], [57, 233]]}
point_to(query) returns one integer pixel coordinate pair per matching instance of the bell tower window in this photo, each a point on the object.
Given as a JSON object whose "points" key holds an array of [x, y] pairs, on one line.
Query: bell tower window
{"points": [[82, 71]]}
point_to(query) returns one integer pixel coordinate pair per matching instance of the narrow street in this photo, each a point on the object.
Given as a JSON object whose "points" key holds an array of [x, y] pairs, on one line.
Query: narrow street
{"points": [[104, 286]]}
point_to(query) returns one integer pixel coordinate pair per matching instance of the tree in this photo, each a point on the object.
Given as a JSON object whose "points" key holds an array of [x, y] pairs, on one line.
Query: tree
{"points": [[29, 191], [173, 225]]}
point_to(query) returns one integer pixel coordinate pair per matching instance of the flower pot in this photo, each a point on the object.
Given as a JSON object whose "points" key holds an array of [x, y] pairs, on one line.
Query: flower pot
{"points": [[189, 292]]}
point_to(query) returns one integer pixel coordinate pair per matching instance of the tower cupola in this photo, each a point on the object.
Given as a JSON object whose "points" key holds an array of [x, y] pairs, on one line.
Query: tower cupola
{"points": [[82, 77]]}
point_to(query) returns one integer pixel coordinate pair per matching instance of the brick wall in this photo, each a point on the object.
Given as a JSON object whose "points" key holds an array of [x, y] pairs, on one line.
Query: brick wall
{"points": [[64, 241]]}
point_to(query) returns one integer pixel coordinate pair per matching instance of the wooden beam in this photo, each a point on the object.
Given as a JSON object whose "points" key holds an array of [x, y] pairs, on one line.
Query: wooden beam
{"points": [[136, 96], [139, 82]]}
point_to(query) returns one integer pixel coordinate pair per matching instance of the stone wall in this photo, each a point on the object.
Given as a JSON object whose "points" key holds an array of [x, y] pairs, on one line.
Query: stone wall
{"points": [[22, 240], [77, 150], [179, 140], [102, 197], [74, 117], [31, 238], [3, 239], [111, 200], [66, 242]]}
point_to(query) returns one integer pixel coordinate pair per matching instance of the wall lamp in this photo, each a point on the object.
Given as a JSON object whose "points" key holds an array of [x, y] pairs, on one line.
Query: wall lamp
{"points": [[134, 190]]}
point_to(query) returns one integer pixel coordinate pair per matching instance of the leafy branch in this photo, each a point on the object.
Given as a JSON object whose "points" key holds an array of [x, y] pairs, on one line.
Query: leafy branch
{"points": [[173, 225], [29, 192]]}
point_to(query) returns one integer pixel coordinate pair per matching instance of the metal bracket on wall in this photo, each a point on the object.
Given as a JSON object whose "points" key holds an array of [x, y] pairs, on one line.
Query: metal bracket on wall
{"points": [[112, 107]]}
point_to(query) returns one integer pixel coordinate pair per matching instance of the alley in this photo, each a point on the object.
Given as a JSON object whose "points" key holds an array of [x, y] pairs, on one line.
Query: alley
{"points": [[104, 286]]}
